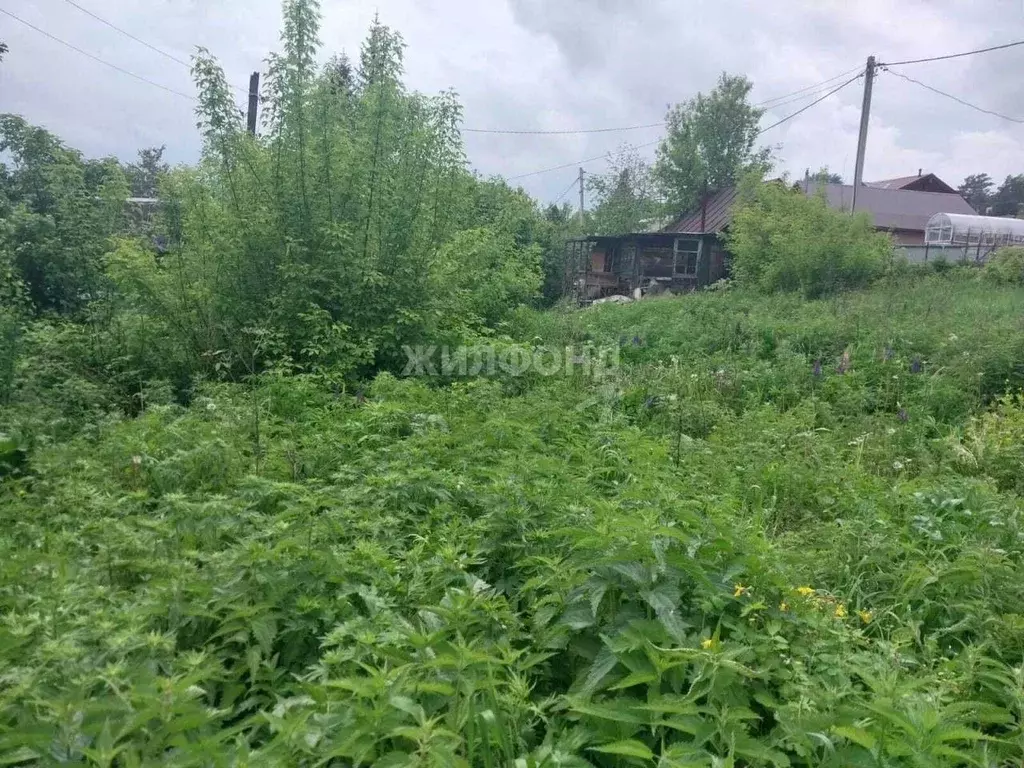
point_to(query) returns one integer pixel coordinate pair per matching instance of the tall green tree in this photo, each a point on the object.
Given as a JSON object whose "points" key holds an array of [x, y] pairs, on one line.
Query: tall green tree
{"points": [[1009, 198], [558, 225], [825, 176], [144, 175], [977, 190], [710, 144], [59, 212], [626, 197]]}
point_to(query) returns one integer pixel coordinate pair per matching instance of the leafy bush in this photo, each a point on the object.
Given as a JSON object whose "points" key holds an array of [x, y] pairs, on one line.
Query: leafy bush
{"points": [[348, 228], [57, 211], [994, 444], [1006, 266], [783, 240]]}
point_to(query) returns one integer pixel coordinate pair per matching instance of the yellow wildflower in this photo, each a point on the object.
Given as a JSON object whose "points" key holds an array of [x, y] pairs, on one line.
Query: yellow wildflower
{"points": [[740, 590], [708, 644], [805, 591], [841, 611], [783, 606], [865, 616]]}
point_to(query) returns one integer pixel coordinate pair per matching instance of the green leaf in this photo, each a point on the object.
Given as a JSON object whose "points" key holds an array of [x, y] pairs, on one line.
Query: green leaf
{"points": [[635, 678], [20, 755], [619, 710], [857, 735], [664, 599], [626, 748], [604, 663]]}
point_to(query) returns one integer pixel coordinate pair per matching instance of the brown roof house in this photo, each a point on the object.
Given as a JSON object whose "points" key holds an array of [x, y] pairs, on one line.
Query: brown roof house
{"points": [[901, 207], [923, 182]]}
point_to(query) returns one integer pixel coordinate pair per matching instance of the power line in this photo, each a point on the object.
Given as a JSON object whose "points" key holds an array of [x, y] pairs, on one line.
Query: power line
{"points": [[813, 103], [577, 163], [568, 189], [105, 63], [127, 34], [657, 141], [816, 87], [139, 40], [566, 132], [794, 101], [818, 92], [953, 55], [954, 98]]}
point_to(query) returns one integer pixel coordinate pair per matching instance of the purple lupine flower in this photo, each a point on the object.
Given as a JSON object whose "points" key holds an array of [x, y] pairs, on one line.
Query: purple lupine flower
{"points": [[916, 366], [650, 402], [637, 341], [903, 416], [816, 370]]}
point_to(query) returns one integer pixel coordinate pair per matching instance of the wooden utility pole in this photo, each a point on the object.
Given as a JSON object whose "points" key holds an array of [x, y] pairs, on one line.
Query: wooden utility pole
{"points": [[862, 142], [254, 101], [583, 216]]}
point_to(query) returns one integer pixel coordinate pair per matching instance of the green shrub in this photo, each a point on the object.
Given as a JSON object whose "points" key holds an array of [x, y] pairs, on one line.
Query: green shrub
{"points": [[1006, 266], [994, 444], [783, 240]]}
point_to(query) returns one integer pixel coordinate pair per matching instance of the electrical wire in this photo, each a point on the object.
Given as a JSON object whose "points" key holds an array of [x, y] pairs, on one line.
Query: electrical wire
{"points": [[953, 55], [816, 87], [577, 163], [139, 40], [951, 96], [813, 103], [105, 63], [658, 141], [794, 101], [565, 133], [127, 34], [567, 191]]}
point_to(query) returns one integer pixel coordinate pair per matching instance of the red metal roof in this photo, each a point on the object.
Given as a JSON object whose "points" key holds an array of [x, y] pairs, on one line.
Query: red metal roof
{"points": [[710, 218]]}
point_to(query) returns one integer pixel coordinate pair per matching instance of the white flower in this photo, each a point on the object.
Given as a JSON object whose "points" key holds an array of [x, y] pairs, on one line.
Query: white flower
{"points": [[211, 406], [897, 465]]}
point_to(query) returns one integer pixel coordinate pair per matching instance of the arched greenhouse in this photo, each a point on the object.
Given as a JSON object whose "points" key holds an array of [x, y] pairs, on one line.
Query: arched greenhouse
{"points": [[988, 232]]}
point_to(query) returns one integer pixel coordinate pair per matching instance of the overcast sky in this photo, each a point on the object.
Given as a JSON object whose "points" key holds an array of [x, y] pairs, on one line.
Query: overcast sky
{"points": [[559, 65]]}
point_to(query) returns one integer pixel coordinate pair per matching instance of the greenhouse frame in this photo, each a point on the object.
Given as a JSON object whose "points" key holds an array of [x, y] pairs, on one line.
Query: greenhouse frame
{"points": [[954, 229]]}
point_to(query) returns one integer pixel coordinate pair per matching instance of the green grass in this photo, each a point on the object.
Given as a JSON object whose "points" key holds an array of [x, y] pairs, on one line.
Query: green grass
{"points": [[714, 557]]}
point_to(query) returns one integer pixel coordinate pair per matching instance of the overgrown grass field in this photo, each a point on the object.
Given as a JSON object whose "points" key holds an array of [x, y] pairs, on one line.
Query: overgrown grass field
{"points": [[781, 533]]}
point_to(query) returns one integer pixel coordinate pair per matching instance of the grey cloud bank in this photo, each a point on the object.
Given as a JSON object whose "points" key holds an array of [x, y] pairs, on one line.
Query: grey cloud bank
{"points": [[572, 64]]}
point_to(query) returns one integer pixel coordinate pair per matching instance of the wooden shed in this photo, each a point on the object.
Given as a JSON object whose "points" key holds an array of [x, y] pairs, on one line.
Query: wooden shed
{"points": [[685, 256]]}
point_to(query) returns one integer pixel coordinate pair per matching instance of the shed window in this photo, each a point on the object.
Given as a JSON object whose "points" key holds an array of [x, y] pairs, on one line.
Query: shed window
{"points": [[687, 254]]}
